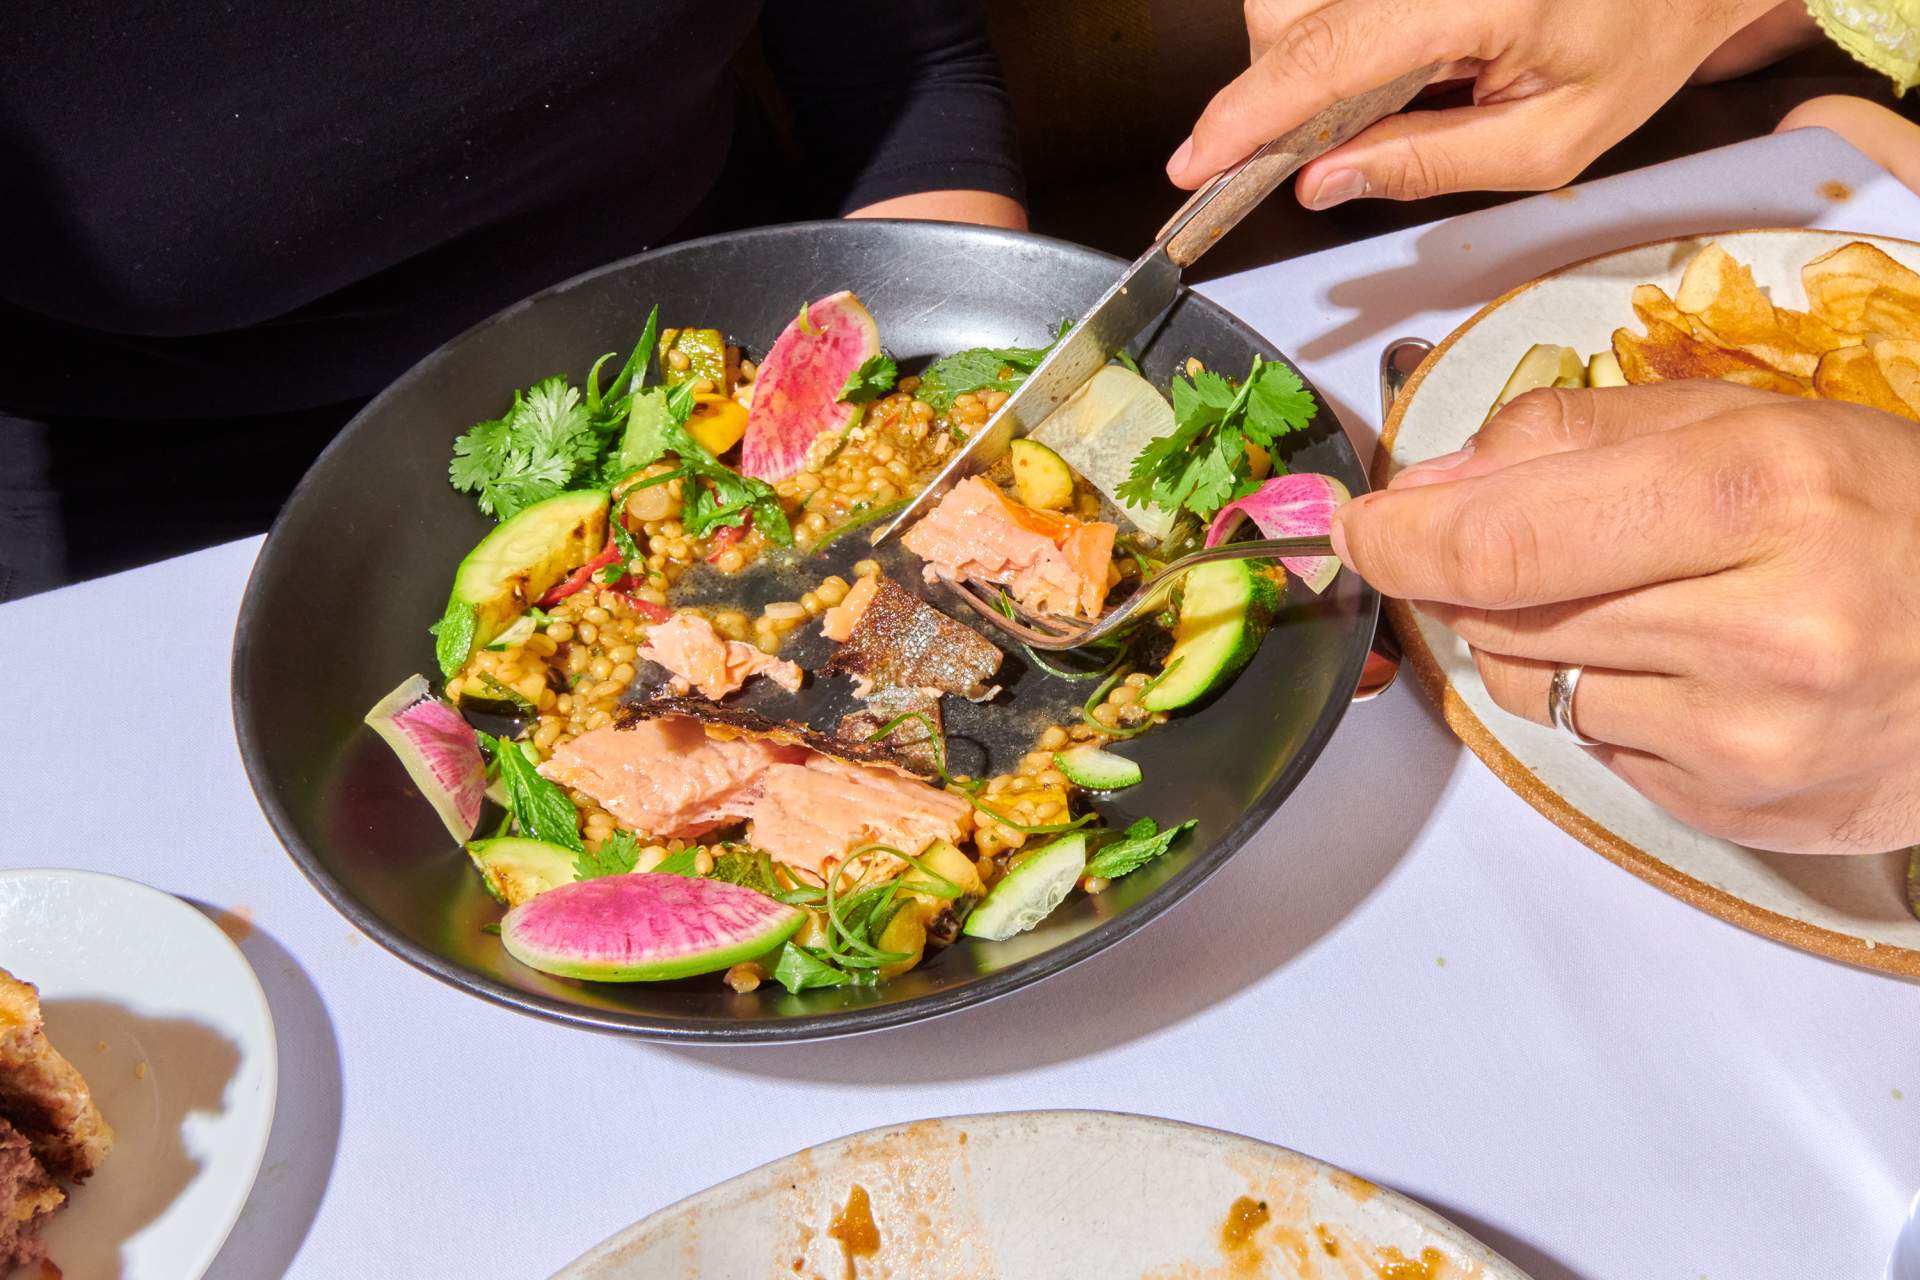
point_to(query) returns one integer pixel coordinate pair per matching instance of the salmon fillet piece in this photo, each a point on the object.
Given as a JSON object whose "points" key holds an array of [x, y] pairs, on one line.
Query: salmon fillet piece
{"points": [[702, 659], [819, 811], [41, 1094], [1051, 563], [900, 641], [665, 776], [838, 622]]}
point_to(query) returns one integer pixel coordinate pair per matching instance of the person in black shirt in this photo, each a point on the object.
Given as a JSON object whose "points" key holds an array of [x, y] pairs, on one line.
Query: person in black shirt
{"points": [[223, 227]]}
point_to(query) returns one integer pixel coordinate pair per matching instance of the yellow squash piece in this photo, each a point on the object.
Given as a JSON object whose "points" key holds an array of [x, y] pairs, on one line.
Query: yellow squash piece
{"points": [[718, 422]]}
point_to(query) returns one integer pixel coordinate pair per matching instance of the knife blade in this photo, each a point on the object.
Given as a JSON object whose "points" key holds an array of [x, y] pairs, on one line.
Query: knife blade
{"points": [[1143, 291], [1151, 283]]}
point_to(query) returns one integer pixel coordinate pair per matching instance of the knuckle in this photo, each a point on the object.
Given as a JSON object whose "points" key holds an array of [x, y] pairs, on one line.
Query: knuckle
{"points": [[1759, 755], [1264, 23], [1541, 415], [1814, 651], [1412, 172], [1311, 49], [1490, 554]]}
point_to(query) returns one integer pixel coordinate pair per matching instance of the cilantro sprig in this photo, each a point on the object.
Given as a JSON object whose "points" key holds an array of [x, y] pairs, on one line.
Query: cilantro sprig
{"points": [[616, 856], [1202, 464], [716, 496], [873, 379]]}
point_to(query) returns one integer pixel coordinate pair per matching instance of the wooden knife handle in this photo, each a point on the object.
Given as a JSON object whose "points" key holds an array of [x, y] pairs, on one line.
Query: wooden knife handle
{"points": [[1218, 206]]}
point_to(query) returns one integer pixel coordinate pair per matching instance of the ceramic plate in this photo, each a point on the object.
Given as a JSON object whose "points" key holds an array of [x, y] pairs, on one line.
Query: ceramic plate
{"points": [[1849, 908], [160, 1012], [983, 1197]]}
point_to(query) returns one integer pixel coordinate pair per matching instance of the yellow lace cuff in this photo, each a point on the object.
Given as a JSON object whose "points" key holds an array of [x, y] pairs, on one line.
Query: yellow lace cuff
{"points": [[1884, 34]]}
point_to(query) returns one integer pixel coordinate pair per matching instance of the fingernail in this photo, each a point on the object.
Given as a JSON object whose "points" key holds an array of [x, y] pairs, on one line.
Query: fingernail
{"points": [[1338, 187], [1178, 164], [1434, 470], [1338, 536]]}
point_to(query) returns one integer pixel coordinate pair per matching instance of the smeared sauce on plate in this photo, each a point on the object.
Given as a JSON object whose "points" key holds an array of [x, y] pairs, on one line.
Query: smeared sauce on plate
{"points": [[1245, 1217], [854, 1228], [1395, 1265]]}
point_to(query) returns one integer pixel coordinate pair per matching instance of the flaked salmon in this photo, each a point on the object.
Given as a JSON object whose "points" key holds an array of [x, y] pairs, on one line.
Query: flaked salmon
{"points": [[666, 776], [837, 623], [702, 659], [1051, 563], [899, 641], [678, 767], [809, 814]]}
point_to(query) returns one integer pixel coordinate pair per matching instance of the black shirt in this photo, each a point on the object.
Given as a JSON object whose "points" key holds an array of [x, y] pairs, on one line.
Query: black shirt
{"points": [[246, 208]]}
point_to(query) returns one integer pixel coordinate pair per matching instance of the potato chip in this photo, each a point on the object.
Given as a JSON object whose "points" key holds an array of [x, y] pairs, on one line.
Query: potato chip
{"points": [[1899, 364], [1720, 294], [1653, 306], [1859, 289], [1668, 353], [1852, 373]]}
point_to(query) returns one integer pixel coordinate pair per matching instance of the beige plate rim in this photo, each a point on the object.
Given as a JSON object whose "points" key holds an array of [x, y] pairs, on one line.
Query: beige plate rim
{"points": [[1469, 728]]}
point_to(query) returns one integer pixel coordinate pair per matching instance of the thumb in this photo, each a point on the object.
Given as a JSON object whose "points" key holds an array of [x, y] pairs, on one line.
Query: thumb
{"points": [[1520, 145]]}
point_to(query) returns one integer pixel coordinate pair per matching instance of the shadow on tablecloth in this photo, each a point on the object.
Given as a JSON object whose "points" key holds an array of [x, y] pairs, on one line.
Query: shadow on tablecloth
{"points": [[1333, 842], [306, 1119]]}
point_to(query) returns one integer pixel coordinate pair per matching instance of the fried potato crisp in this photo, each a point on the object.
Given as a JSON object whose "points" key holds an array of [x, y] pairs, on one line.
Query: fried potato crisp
{"points": [[1859, 339]]}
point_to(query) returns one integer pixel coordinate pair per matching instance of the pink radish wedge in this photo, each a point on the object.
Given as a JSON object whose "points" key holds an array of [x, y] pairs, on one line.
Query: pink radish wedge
{"points": [[439, 750], [796, 394], [645, 927], [1289, 506]]}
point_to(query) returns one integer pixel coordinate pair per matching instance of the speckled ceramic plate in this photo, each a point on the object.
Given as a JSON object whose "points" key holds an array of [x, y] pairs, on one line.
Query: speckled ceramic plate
{"points": [[1004, 1196], [165, 1019], [1850, 909]]}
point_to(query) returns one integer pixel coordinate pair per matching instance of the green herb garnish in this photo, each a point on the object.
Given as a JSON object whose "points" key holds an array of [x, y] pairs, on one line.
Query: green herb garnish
{"points": [[679, 864], [616, 856], [542, 445], [870, 381], [453, 638], [506, 693], [540, 809], [1141, 844], [1202, 464], [977, 369]]}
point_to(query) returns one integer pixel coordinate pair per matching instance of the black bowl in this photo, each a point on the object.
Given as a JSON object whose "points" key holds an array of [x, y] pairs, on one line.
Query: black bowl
{"points": [[357, 566]]}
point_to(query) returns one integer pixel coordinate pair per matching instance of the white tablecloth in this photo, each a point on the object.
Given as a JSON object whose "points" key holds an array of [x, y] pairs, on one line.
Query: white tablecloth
{"points": [[1408, 972]]}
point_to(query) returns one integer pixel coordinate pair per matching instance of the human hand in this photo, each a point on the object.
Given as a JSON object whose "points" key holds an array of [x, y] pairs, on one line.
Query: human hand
{"points": [[1736, 571], [1555, 83]]}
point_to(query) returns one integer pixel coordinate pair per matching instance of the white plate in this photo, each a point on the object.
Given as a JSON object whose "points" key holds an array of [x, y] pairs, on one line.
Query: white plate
{"points": [[1848, 908], [1063, 1195], [161, 1013]]}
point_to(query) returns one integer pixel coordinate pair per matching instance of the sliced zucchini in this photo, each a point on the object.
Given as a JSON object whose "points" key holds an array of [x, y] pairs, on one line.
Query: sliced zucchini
{"points": [[1089, 766], [1544, 365], [1603, 370], [1041, 478], [1030, 891], [522, 627], [521, 560], [517, 870], [706, 353], [1225, 610]]}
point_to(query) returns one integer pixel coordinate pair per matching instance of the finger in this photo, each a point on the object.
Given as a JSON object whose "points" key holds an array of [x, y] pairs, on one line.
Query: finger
{"points": [[1569, 525], [1661, 628], [1269, 20], [1326, 54], [1620, 708], [1490, 147], [1563, 420]]}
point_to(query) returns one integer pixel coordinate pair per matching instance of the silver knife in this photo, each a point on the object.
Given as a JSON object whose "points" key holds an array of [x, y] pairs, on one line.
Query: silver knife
{"points": [[1151, 284]]}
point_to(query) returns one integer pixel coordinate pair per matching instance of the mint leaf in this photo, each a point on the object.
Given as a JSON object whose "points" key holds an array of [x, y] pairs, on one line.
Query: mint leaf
{"points": [[615, 857], [977, 369], [798, 969], [1141, 845], [540, 809], [870, 381], [453, 638]]}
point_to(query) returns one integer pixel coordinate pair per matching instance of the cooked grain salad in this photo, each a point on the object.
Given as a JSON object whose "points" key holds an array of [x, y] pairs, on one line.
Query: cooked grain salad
{"points": [[621, 744]]}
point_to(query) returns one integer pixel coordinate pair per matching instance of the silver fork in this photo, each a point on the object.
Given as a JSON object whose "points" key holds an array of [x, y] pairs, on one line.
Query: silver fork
{"points": [[1053, 631]]}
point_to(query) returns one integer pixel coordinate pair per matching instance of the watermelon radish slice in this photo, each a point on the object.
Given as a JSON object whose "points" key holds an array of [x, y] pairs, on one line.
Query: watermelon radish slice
{"points": [[438, 748], [645, 927], [1290, 506], [796, 394]]}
